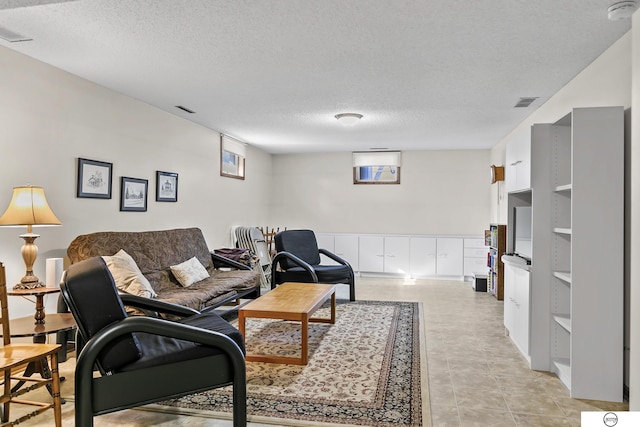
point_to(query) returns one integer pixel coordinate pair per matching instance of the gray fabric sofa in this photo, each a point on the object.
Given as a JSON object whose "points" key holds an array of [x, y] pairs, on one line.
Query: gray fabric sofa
{"points": [[155, 251]]}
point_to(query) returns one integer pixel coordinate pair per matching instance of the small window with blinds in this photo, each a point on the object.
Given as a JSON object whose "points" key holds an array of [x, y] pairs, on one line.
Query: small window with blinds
{"points": [[232, 157], [377, 167]]}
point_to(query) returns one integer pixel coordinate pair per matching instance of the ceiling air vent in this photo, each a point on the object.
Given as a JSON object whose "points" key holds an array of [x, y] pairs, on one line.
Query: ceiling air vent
{"points": [[185, 109], [525, 102], [12, 37]]}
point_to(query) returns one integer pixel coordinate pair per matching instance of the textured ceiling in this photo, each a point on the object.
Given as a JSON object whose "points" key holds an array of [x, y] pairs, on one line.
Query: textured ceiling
{"points": [[428, 74]]}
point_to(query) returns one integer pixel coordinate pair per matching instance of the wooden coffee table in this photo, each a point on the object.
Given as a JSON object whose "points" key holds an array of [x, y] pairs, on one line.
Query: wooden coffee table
{"points": [[290, 301]]}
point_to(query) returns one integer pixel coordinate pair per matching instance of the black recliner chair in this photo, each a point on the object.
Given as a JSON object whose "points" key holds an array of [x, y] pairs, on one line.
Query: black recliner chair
{"points": [[298, 260], [146, 359]]}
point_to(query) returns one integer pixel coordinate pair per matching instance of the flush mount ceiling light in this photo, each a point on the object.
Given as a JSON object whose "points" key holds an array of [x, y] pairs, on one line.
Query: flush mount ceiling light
{"points": [[621, 10], [348, 119]]}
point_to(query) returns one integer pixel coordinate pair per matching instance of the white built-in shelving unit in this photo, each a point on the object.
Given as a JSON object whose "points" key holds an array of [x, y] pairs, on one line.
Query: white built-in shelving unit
{"points": [[571, 173], [586, 200]]}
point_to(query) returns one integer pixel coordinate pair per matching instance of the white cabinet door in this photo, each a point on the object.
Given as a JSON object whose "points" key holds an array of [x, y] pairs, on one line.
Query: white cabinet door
{"points": [[346, 247], [510, 299], [475, 257], [475, 266], [511, 162], [516, 306], [371, 254], [474, 242], [423, 256], [326, 241], [524, 167], [522, 297], [518, 163], [396, 255], [449, 256]]}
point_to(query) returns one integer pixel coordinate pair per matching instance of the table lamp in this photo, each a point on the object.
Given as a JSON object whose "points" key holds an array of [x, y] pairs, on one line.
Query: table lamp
{"points": [[29, 207]]}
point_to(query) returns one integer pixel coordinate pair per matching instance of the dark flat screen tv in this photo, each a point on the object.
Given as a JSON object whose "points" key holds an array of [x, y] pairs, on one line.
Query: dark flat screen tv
{"points": [[522, 232]]}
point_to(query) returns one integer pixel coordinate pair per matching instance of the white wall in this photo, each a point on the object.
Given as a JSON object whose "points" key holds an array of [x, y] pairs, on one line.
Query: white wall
{"points": [[606, 82], [49, 118], [441, 192]]}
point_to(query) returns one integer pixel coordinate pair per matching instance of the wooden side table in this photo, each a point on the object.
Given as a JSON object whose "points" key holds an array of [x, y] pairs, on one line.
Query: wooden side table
{"points": [[39, 293]]}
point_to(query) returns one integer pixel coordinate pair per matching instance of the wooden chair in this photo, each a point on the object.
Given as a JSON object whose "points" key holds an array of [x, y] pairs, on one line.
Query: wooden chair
{"points": [[269, 238], [15, 357]]}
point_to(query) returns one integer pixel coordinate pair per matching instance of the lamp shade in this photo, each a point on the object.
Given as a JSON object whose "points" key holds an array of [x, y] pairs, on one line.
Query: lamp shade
{"points": [[29, 206]]}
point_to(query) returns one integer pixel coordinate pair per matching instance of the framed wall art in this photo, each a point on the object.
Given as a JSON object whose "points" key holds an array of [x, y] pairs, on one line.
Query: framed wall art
{"points": [[94, 179], [166, 186], [133, 194]]}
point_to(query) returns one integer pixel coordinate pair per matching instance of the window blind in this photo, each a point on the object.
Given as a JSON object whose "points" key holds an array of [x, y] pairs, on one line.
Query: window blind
{"points": [[377, 158], [234, 146]]}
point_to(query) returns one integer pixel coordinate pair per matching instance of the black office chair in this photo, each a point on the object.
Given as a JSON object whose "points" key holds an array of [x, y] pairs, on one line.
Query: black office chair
{"points": [[298, 260], [146, 359]]}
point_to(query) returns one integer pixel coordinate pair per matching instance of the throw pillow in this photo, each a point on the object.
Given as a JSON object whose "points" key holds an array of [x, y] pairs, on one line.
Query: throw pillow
{"points": [[189, 272], [128, 276]]}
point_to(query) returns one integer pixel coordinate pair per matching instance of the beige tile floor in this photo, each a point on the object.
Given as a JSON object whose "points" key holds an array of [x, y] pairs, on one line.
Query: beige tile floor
{"points": [[476, 376]]}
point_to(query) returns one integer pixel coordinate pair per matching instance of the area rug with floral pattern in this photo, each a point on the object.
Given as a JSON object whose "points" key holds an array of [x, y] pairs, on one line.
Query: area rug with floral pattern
{"points": [[368, 369]]}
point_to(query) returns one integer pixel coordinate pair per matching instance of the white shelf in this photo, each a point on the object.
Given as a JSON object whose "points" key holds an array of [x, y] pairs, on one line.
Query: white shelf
{"points": [[563, 320], [560, 230], [565, 276], [563, 188], [563, 370]]}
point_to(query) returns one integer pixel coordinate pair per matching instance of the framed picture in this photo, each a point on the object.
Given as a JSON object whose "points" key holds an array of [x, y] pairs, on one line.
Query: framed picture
{"points": [[166, 186], [133, 194], [94, 179]]}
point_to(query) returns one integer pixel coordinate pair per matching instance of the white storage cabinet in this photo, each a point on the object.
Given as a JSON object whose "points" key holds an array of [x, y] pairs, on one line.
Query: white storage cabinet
{"points": [[517, 291], [423, 256], [384, 254], [475, 257], [450, 256], [518, 164]]}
